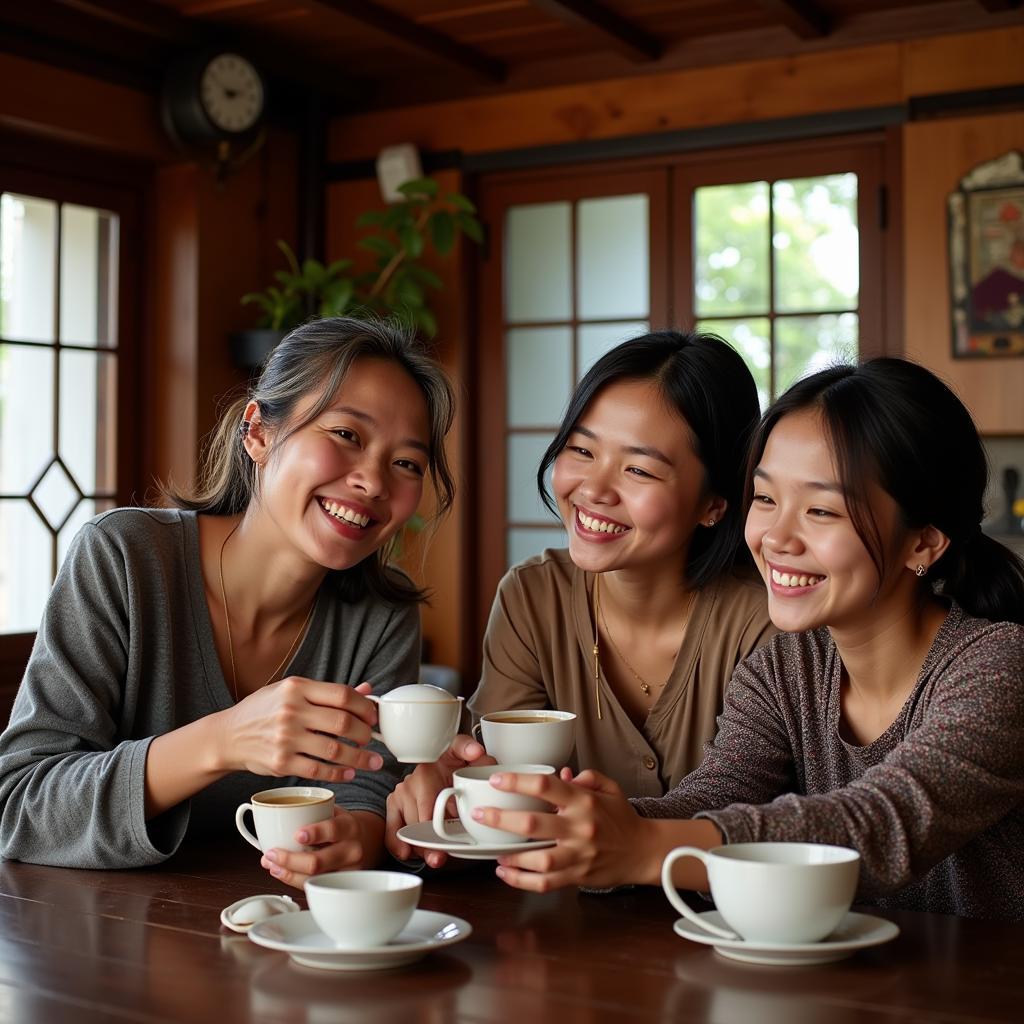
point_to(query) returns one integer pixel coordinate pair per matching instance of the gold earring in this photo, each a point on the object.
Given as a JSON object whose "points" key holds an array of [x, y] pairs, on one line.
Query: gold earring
{"points": [[711, 521], [920, 570]]}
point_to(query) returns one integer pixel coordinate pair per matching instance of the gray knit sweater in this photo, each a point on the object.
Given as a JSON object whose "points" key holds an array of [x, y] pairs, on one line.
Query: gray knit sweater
{"points": [[124, 653], [935, 805]]}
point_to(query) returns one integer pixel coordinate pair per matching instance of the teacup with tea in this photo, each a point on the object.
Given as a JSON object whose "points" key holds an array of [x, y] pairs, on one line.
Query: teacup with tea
{"points": [[279, 813], [472, 788], [531, 737], [772, 892]]}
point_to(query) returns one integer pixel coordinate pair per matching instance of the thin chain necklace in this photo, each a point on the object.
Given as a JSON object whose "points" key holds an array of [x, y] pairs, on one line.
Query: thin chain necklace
{"points": [[645, 687], [227, 622]]}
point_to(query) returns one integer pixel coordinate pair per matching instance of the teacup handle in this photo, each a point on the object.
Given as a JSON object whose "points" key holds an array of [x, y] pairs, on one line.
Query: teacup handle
{"points": [[673, 897], [440, 827], [477, 732], [240, 824], [376, 700]]}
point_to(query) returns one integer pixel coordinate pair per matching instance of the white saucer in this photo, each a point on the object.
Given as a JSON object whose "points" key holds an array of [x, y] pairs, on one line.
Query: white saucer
{"points": [[298, 936], [464, 845], [855, 931]]}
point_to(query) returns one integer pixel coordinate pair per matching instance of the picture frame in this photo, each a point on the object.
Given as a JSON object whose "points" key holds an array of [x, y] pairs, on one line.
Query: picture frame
{"points": [[986, 255]]}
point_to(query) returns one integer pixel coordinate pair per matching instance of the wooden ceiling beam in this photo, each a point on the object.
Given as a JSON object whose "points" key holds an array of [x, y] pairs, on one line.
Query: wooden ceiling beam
{"points": [[623, 34], [140, 16], [995, 6], [803, 17], [418, 37]]}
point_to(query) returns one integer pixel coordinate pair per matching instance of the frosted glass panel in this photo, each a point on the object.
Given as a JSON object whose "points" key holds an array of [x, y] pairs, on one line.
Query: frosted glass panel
{"points": [[524, 455], [539, 377], [26, 415], [522, 544], [538, 262], [28, 255], [25, 554], [87, 259], [88, 424], [612, 254], [596, 339]]}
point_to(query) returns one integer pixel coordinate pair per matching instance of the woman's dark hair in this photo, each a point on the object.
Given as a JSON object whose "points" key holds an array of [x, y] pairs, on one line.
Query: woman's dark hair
{"points": [[314, 359], [707, 383], [892, 422]]}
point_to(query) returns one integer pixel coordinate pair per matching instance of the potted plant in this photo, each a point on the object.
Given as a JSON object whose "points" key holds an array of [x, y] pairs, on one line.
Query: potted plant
{"points": [[397, 285]]}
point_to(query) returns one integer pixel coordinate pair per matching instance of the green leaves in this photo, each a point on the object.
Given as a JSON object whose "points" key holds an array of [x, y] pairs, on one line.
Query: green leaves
{"points": [[397, 238]]}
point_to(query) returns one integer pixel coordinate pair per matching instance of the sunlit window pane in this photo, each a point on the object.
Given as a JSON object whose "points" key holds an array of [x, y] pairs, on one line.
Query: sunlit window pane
{"points": [[88, 422], [806, 344], [815, 242], [26, 415], [612, 257], [731, 249], [88, 256], [26, 555], [28, 255]]}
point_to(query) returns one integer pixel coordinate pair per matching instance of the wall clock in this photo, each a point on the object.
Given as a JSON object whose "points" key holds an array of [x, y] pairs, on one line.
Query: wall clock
{"points": [[213, 98]]}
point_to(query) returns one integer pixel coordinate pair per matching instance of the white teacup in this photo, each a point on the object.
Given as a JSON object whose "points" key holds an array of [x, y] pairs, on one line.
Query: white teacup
{"points": [[528, 737], [772, 892], [417, 722], [472, 788], [358, 909], [279, 813]]}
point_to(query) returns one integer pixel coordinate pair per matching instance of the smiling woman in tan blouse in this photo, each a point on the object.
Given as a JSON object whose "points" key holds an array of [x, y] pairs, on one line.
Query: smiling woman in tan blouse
{"points": [[639, 624]]}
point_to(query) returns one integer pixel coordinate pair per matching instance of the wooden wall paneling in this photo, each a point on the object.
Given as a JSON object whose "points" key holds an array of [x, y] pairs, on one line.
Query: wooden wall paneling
{"points": [[936, 155], [969, 60], [437, 558], [75, 108], [749, 91]]}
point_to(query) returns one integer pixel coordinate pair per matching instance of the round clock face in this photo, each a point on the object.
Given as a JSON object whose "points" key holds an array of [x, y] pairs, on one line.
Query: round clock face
{"points": [[231, 92]]}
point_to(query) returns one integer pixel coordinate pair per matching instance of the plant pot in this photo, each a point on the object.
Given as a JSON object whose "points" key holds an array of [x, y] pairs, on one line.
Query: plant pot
{"points": [[249, 349]]}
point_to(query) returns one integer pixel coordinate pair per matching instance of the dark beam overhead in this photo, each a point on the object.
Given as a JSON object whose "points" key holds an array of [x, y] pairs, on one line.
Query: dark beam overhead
{"points": [[995, 6], [623, 34], [142, 16], [804, 17], [419, 37]]}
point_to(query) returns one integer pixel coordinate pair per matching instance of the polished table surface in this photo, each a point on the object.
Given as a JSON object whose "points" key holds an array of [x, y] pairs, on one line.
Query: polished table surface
{"points": [[147, 945]]}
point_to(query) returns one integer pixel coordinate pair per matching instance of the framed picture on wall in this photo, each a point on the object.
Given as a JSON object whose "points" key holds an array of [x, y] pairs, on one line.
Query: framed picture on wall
{"points": [[986, 252]]}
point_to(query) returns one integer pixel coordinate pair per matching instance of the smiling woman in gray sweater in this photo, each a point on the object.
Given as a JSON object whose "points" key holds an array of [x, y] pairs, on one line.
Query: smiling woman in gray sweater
{"points": [[889, 715], [186, 657]]}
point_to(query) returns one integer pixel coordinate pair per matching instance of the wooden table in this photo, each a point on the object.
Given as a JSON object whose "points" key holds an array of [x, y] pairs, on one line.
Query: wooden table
{"points": [[83, 946]]}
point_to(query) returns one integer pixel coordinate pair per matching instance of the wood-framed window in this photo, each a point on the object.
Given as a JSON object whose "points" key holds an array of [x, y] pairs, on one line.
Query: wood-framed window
{"points": [[778, 248], [69, 385]]}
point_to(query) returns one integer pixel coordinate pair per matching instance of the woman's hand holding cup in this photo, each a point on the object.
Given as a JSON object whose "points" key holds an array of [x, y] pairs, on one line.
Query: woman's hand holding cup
{"points": [[295, 726], [336, 844], [412, 800]]}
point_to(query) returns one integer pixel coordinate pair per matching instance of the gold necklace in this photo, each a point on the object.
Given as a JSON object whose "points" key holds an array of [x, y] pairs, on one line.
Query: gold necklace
{"points": [[227, 622], [645, 687]]}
